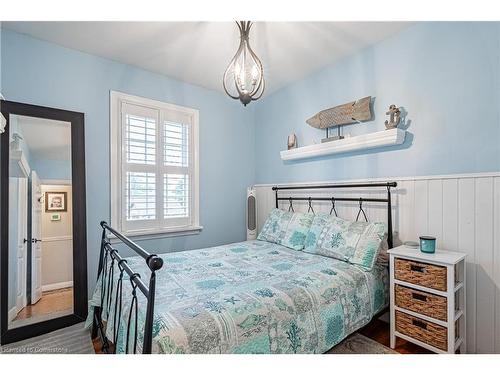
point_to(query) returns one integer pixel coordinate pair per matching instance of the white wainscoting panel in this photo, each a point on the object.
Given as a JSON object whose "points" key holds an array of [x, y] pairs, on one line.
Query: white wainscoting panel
{"points": [[461, 211]]}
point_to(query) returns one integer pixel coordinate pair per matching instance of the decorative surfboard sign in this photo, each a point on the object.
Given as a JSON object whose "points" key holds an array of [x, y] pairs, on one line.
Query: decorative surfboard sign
{"points": [[345, 114]]}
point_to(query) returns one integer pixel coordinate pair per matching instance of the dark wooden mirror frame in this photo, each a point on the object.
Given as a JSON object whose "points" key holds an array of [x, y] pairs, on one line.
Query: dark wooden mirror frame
{"points": [[80, 309]]}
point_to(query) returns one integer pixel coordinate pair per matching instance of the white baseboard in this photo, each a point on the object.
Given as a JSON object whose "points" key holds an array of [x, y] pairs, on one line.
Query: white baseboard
{"points": [[64, 284], [12, 313]]}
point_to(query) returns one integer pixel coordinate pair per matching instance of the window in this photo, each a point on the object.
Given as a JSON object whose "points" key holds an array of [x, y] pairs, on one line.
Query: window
{"points": [[154, 166]]}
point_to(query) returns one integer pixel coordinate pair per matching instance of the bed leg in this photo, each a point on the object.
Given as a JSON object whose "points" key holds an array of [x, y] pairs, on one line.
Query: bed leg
{"points": [[95, 328]]}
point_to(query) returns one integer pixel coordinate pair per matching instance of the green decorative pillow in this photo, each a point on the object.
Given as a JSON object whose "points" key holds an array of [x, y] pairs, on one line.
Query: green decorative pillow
{"points": [[286, 228], [354, 242]]}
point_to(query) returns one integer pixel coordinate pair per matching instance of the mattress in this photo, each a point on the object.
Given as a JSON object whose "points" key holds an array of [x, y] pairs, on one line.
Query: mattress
{"points": [[250, 297]]}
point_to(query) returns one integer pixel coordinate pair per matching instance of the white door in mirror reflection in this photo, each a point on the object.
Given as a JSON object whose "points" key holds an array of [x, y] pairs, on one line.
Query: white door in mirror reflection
{"points": [[22, 241], [36, 236]]}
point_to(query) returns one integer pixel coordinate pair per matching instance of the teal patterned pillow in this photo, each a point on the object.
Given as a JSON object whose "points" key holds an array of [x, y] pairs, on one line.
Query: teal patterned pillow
{"points": [[339, 238], [320, 220], [353, 242], [274, 226], [286, 228], [297, 230], [369, 245]]}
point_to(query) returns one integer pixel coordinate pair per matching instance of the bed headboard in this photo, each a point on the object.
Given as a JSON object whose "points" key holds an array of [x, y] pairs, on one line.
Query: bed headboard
{"points": [[364, 197]]}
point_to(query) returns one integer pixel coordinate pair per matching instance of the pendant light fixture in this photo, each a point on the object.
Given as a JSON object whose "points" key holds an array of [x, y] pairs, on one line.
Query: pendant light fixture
{"points": [[244, 76]]}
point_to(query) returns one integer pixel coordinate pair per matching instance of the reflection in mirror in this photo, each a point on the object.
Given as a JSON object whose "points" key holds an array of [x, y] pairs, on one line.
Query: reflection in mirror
{"points": [[40, 220]]}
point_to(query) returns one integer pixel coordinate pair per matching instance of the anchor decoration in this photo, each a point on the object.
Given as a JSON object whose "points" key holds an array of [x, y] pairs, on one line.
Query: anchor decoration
{"points": [[394, 114]]}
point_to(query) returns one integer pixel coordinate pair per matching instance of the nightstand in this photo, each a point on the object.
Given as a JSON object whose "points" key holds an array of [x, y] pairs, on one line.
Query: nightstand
{"points": [[427, 293]]}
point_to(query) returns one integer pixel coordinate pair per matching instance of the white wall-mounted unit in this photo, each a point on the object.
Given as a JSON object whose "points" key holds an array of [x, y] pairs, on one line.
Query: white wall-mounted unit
{"points": [[251, 214], [360, 142], [19, 166], [3, 122]]}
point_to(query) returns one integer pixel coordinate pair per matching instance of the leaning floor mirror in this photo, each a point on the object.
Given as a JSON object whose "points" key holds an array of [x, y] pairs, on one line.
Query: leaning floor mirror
{"points": [[43, 223]]}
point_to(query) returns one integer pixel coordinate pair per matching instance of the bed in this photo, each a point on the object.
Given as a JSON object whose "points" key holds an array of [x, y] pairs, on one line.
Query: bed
{"points": [[247, 297], [252, 297]]}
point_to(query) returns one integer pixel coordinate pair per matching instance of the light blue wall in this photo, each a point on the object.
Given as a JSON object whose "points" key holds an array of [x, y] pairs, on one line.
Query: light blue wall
{"points": [[42, 73], [445, 75], [51, 169]]}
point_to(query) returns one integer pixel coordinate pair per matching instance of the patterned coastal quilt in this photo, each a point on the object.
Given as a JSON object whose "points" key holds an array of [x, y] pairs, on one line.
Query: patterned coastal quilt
{"points": [[251, 297]]}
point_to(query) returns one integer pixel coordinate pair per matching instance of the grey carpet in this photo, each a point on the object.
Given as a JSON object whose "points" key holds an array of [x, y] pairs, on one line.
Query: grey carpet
{"points": [[69, 340], [359, 344], [76, 340]]}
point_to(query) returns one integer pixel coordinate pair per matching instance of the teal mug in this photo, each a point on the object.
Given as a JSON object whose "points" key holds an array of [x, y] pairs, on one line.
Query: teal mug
{"points": [[428, 244]]}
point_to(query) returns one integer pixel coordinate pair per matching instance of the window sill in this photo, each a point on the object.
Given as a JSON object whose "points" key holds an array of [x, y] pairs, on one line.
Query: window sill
{"points": [[166, 233]]}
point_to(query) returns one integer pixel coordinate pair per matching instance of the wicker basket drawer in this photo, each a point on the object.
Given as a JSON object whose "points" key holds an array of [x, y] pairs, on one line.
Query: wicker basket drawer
{"points": [[424, 303], [418, 273], [422, 330]]}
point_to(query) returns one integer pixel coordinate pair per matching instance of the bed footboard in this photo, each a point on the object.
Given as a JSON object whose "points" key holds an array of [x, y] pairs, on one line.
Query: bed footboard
{"points": [[109, 260]]}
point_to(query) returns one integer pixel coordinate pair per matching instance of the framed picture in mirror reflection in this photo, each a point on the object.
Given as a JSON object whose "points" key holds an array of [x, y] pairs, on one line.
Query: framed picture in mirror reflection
{"points": [[55, 201]]}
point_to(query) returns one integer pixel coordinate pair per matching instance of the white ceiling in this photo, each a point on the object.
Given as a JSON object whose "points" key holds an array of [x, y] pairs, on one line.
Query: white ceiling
{"points": [[198, 52], [46, 139]]}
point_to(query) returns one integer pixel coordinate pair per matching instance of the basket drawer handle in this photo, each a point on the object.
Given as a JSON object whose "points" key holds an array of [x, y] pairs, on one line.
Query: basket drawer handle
{"points": [[417, 268], [419, 297], [419, 323]]}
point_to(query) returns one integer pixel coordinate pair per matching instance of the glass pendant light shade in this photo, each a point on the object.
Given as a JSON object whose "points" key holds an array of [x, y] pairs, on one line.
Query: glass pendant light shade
{"points": [[244, 76]]}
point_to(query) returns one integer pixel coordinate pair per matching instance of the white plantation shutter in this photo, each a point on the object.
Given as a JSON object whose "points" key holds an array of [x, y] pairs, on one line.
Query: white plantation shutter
{"points": [[140, 127], [176, 196], [176, 184], [157, 167], [176, 144], [140, 195]]}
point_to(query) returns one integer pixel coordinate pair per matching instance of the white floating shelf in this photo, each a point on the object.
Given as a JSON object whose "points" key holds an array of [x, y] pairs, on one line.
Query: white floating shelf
{"points": [[360, 142]]}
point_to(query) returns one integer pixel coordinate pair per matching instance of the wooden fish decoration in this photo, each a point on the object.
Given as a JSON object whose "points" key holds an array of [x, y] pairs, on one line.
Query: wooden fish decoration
{"points": [[344, 114]]}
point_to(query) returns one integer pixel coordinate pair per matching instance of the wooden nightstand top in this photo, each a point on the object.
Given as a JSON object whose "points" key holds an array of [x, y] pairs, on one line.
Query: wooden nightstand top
{"points": [[440, 256]]}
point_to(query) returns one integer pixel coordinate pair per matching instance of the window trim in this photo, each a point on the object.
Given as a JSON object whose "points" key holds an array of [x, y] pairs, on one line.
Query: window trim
{"points": [[116, 178]]}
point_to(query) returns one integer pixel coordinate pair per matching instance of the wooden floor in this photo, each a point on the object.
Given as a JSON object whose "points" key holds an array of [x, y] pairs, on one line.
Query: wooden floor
{"points": [[97, 346], [376, 330], [51, 302]]}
